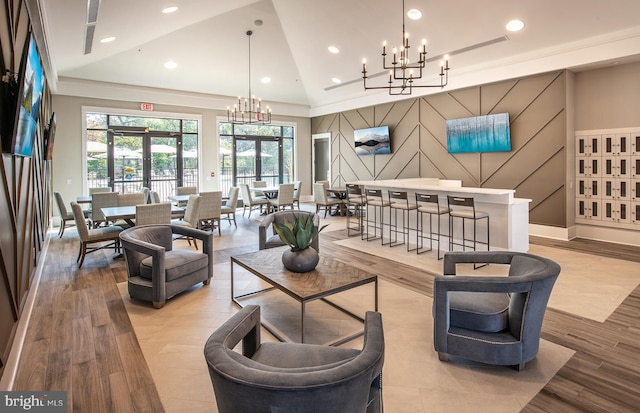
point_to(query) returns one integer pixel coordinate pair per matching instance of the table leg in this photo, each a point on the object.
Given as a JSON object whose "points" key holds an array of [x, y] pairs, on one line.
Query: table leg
{"points": [[302, 324]]}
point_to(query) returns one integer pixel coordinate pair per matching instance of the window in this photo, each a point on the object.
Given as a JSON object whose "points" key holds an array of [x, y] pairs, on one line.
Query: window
{"points": [[255, 153], [127, 153]]}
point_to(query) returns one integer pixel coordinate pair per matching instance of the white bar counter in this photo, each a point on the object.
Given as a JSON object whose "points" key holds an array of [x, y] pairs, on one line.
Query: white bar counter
{"points": [[508, 216]]}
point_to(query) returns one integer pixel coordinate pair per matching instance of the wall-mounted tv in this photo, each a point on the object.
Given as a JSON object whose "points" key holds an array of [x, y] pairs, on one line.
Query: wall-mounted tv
{"points": [[372, 141], [31, 84], [49, 136], [489, 133]]}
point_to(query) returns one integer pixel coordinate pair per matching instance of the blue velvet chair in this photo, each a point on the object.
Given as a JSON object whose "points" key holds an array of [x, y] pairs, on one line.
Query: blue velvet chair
{"points": [[291, 377], [156, 270], [492, 319]]}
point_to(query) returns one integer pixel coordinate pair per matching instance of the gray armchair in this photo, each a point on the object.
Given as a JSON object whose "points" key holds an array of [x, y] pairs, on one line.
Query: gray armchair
{"points": [[157, 272], [492, 319], [292, 377], [270, 239]]}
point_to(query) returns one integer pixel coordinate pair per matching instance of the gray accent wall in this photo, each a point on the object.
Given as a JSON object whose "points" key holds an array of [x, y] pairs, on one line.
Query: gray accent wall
{"points": [[535, 167]]}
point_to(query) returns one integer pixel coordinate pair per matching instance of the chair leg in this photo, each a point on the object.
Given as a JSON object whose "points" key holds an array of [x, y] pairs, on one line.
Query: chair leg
{"points": [[61, 230], [84, 253]]}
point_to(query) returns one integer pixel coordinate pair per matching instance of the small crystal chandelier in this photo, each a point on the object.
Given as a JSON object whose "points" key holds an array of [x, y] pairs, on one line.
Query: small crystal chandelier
{"points": [[249, 111], [401, 71]]}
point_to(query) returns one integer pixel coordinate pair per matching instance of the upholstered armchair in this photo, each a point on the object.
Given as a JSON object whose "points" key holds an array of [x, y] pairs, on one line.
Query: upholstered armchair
{"points": [[492, 319], [292, 377], [157, 272], [270, 238]]}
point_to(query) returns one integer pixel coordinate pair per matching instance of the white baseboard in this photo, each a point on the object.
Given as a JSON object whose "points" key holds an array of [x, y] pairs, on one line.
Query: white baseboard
{"points": [[11, 368], [545, 231], [592, 232]]}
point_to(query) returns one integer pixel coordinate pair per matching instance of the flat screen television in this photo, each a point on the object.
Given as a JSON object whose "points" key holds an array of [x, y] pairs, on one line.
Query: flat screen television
{"points": [[489, 133], [31, 84], [372, 141], [49, 136]]}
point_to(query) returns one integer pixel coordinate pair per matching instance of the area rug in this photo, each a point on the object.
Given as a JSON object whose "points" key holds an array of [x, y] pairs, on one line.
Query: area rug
{"points": [[589, 286], [172, 340]]}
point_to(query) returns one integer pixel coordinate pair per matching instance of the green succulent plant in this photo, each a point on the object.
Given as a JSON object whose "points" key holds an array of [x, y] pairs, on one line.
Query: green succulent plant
{"points": [[297, 234]]}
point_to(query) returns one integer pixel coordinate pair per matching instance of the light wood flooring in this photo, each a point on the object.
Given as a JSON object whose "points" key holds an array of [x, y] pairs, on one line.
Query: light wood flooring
{"points": [[80, 338]]}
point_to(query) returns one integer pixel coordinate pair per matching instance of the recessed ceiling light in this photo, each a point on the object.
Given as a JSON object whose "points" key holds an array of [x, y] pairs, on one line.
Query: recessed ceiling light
{"points": [[170, 64], [334, 49], [265, 79], [414, 14], [515, 25], [171, 9], [336, 80], [107, 39]]}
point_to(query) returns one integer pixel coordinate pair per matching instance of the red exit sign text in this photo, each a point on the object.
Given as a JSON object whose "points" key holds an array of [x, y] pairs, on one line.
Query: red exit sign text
{"points": [[146, 106]]}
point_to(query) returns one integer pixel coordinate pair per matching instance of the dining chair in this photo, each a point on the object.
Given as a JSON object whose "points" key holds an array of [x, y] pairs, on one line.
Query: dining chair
{"points": [[251, 202], [147, 194], [229, 208], [210, 210], [65, 215], [101, 200], [148, 214], [258, 184], [297, 188], [154, 198], [89, 237], [190, 218], [321, 199], [284, 199], [99, 190], [131, 199], [186, 190]]}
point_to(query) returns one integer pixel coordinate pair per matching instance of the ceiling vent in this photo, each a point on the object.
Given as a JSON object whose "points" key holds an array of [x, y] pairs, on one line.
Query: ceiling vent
{"points": [[92, 19]]}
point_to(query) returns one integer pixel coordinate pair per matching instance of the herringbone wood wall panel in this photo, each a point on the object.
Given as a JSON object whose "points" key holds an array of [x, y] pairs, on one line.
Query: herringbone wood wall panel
{"points": [[24, 190], [535, 167]]}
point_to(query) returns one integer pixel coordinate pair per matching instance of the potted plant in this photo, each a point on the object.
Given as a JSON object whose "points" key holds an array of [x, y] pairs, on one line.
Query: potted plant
{"points": [[298, 235]]}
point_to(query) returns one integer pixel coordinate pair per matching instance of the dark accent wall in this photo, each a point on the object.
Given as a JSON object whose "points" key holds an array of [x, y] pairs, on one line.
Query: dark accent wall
{"points": [[24, 192], [535, 167]]}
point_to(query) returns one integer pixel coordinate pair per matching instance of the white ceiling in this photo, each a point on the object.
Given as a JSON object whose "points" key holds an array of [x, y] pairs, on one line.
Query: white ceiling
{"points": [[207, 40]]}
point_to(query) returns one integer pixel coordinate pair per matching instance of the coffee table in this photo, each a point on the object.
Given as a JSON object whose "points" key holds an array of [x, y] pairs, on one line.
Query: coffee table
{"points": [[331, 276]]}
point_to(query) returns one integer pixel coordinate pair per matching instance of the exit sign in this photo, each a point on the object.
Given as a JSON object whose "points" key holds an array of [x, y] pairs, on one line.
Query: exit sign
{"points": [[146, 106]]}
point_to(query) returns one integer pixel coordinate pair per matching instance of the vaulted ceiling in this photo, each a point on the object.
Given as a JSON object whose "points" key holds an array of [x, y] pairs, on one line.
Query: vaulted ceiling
{"points": [[207, 41]]}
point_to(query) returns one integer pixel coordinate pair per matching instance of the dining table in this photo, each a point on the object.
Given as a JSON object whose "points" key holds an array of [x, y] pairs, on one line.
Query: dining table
{"points": [[340, 193], [270, 192], [84, 199]]}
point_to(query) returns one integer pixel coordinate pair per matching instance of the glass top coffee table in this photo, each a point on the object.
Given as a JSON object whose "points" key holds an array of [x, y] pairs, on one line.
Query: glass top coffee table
{"points": [[330, 277]]}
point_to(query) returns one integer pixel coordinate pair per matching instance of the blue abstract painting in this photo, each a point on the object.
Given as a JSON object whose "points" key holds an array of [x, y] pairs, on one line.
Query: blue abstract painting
{"points": [[489, 133]]}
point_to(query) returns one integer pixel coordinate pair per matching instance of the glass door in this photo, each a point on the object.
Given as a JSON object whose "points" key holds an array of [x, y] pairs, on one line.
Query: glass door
{"points": [[162, 165], [125, 164], [257, 159], [144, 159]]}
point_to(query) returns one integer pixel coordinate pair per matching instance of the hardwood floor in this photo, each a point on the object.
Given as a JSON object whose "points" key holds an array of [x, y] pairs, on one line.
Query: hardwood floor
{"points": [[80, 338]]}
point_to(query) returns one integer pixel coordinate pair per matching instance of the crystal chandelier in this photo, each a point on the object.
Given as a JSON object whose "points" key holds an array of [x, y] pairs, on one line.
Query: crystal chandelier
{"points": [[249, 110], [401, 71]]}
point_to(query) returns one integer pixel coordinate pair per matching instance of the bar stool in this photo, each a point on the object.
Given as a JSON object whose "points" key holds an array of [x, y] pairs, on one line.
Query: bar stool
{"points": [[464, 208], [376, 201], [357, 202], [399, 202], [429, 204]]}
